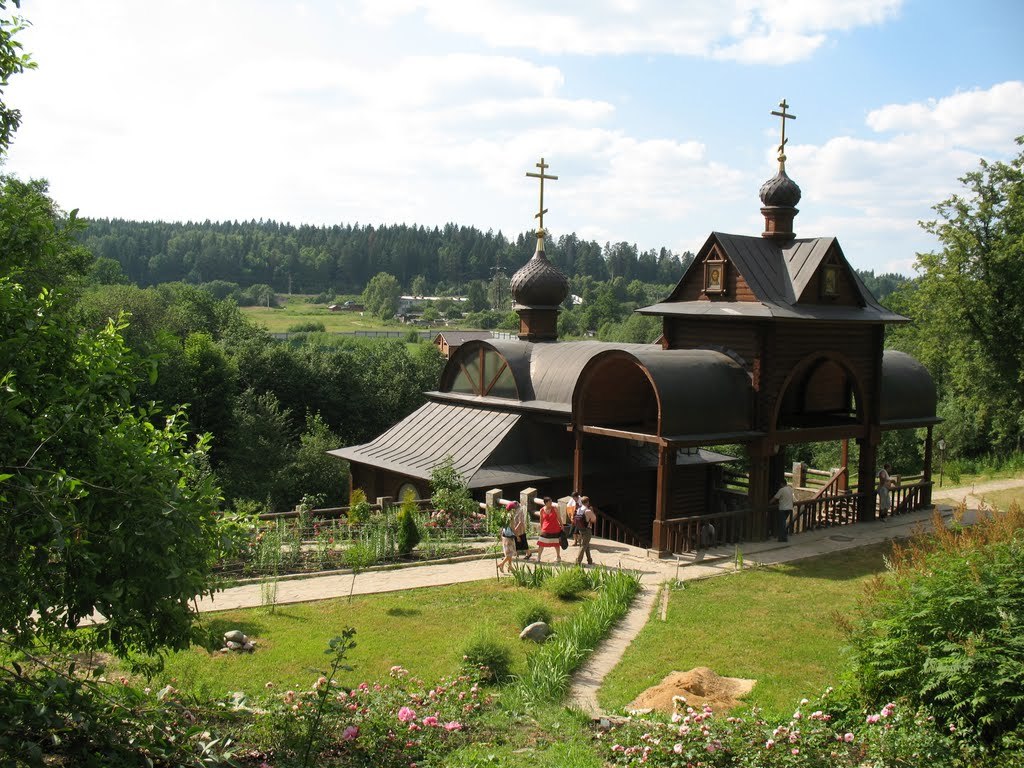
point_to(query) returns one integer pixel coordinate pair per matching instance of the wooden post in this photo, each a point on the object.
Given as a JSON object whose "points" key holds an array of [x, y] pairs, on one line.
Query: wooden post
{"points": [[384, 502], [866, 506], [758, 493], [926, 492], [799, 474], [844, 462], [659, 536], [526, 497], [493, 497], [577, 462]]}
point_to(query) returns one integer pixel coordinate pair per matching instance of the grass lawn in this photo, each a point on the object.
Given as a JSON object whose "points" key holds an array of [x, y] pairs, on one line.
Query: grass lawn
{"points": [[423, 630], [297, 310], [774, 625]]}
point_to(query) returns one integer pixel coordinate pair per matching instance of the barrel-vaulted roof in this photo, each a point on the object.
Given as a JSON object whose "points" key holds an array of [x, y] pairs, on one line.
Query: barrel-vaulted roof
{"points": [[908, 392]]}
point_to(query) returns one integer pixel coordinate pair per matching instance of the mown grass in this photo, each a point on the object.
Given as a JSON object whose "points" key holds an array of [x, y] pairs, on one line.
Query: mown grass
{"points": [[423, 630], [297, 310], [774, 625]]}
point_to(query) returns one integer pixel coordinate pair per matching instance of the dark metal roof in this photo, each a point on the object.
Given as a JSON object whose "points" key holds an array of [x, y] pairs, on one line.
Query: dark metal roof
{"points": [[908, 392], [458, 338], [700, 390], [777, 274], [422, 440]]}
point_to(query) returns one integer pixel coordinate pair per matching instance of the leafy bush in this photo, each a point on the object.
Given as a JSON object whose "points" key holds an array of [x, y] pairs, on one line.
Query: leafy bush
{"points": [[943, 629], [530, 611], [359, 507], [569, 584], [310, 326], [489, 655], [449, 491]]}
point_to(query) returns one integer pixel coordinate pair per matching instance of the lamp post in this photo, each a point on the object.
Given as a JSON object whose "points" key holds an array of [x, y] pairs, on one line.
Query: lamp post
{"points": [[942, 458]]}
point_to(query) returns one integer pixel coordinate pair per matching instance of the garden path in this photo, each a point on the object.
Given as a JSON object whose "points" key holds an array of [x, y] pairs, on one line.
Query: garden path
{"points": [[653, 572]]}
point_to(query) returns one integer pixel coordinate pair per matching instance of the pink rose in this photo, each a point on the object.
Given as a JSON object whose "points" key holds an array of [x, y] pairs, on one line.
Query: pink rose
{"points": [[453, 726], [430, 720], [405, 714], [350, 733]]}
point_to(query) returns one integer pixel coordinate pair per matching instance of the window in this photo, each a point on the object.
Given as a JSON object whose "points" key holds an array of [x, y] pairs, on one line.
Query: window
{"points": [[482, 371]]}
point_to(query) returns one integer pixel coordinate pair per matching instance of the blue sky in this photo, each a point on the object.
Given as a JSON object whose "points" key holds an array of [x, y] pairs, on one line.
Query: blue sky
{"points": [[655, 114]]}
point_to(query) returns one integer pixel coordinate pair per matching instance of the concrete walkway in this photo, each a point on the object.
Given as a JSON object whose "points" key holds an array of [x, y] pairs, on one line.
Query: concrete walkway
{"points": [[653, 572]]}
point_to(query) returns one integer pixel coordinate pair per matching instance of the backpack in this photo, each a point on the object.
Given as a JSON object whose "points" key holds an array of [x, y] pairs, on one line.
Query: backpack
{"points": [[579, 518]]}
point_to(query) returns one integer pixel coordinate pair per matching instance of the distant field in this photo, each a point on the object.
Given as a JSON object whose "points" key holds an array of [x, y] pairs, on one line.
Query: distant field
{"points": [[296, 309]]}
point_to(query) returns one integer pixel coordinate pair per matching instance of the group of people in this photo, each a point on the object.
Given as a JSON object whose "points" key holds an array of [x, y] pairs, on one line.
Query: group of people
{"points": [[554, 530]]}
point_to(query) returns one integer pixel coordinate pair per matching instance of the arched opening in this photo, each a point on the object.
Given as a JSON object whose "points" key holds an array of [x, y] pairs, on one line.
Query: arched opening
{"points": [[617, 393], [822, 392]]}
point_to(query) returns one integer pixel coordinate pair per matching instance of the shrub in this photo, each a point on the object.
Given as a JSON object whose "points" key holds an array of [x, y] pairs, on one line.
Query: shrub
{"points": [[489, 655], [310, 326], [569, 584], [530, 611], [942, 629], [359, 507], [449, 491], [408, 531]]}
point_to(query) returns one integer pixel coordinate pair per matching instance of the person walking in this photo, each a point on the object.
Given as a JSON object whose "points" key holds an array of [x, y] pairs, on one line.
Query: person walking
{"points": [[784, 498], [518, 524], [508, 539], [583, 523], [550, 530], [570, 512]]}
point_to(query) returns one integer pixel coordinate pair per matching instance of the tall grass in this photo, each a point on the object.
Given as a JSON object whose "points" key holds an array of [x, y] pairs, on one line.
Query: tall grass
{"points": [[549, 669]]}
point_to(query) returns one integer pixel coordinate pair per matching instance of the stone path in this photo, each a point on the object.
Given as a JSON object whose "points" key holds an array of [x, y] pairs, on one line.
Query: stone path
{"points": [[653, 572]]}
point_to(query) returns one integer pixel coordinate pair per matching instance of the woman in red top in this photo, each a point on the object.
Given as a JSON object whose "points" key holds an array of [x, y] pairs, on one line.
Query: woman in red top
{"points": [[550, 530]]}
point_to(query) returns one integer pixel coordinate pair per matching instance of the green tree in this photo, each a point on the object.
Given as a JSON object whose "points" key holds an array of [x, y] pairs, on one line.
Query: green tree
{"points": [[449, 491], [104, 507], [12, 61], [381, 295], [969, 319]]}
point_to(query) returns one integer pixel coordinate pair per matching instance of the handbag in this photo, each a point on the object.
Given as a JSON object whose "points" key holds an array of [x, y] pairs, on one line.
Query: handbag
{"points": [[563, 541], [506, 532]]}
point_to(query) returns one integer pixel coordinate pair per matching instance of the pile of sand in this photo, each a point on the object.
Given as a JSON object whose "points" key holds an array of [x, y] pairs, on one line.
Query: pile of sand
{"points": [[699, 686]]}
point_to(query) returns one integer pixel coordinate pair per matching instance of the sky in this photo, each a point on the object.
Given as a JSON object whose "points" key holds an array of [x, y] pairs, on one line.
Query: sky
{"points": [[654, 114]]}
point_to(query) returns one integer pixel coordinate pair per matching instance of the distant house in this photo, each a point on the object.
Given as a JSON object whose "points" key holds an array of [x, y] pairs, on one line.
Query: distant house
{"points": [[450, 341]]}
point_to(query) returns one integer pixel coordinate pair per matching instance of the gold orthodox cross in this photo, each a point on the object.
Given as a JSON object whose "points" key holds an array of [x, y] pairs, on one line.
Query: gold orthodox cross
{"points": [[542, 165], [785, 116]]}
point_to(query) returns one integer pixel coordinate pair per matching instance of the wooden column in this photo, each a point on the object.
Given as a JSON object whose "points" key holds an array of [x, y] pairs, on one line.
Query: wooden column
{"points": [[926, 493], [844, 462], [577, 463], [758, 492], [866, 477], [666, 460]]}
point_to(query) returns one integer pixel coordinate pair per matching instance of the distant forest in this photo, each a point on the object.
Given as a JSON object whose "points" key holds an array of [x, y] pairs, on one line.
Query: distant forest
{"points": [[341, 259]]}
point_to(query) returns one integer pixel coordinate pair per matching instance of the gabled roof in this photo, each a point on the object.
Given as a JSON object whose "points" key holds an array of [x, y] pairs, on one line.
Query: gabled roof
{"points": [[777, 275], [458, 338]]}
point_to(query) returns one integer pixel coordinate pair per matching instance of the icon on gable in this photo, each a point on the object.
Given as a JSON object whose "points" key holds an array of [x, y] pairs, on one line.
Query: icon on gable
{"points": [[830, 281], [714, 274]]}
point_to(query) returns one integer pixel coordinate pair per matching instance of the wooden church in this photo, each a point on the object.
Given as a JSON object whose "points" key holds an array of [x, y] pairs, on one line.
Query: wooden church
{"points": [[767, 341]]}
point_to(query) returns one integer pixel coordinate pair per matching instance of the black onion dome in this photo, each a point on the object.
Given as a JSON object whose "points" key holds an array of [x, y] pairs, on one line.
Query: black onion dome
{"points": [[539, 283], [780, 190]]}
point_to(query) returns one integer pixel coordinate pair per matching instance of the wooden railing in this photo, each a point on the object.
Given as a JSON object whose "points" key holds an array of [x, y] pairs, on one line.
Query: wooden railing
{"points": [[907, 498], [685, 534], [609, 528], [823, 511]]}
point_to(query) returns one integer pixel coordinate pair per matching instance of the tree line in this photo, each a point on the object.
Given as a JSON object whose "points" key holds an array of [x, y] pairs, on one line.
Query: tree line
{"points": [[342, 259]]}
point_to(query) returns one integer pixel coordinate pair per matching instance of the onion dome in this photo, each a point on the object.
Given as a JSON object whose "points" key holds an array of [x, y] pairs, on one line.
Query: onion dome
{"points": [[539, 283], [780, 190]]}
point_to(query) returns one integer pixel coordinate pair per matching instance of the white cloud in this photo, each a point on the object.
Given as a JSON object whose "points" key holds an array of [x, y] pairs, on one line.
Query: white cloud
{"points": [[752, 31], [982, 119]]}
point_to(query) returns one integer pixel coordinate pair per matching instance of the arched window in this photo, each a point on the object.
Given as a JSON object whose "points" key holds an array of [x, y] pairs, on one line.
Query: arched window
{"points": [[482, 371]]}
